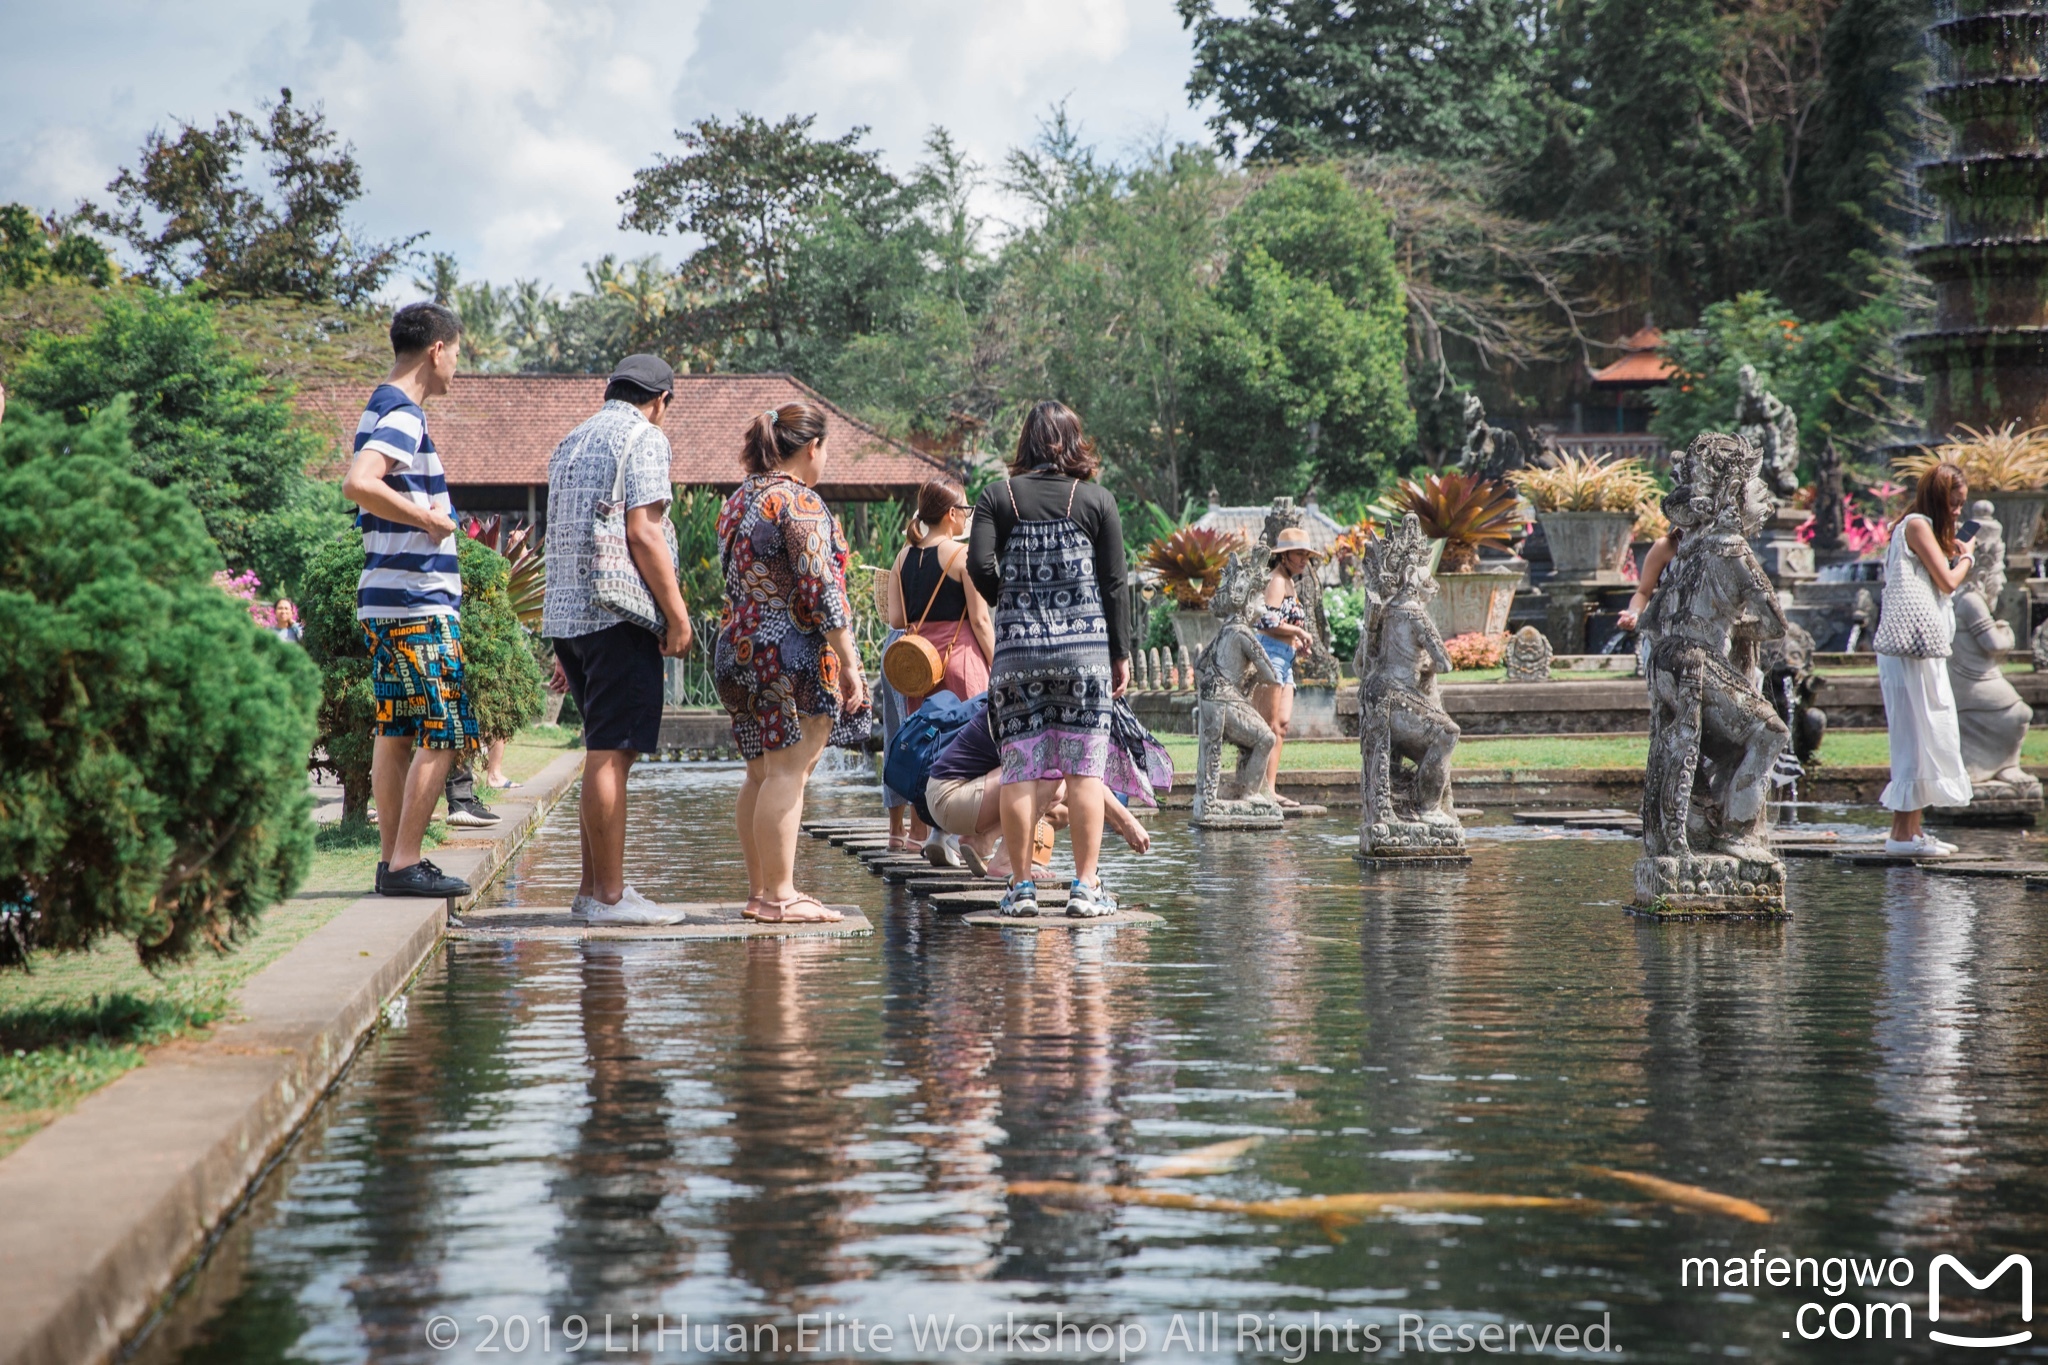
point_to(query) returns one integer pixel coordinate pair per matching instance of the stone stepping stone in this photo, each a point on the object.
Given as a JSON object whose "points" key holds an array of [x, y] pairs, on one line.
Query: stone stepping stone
{"points": [[1303, 811], [704, 920], [990, 920], [961, 881], [855, 840], [1877, 857], [973, 902], [1789, 849], [1626, 824], [1980, 867], [1565, 817]]}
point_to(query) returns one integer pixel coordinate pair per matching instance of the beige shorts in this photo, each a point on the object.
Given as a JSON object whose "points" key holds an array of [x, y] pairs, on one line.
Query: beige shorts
{"points": [[956, 802]]}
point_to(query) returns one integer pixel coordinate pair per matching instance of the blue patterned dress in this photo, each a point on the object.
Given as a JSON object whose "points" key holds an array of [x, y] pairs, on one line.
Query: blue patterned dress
{"points": [[1049, 683]]}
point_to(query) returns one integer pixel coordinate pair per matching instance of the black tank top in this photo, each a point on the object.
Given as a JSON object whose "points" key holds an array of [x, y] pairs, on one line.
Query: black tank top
{"points": [[923, 571]]}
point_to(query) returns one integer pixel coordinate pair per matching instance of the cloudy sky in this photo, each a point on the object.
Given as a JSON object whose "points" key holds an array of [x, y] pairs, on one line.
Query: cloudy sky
{"points": [[506, 128]]}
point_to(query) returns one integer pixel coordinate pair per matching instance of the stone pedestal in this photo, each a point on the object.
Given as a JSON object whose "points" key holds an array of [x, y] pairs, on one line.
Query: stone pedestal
{"points": [[1993, 802], [1787, 560], [1567, 602], [1413, 843], [1710, 886]]}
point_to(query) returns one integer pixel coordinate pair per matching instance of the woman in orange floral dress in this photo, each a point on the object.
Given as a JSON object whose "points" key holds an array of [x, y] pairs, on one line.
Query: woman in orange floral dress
{"points": [[786, 666]]}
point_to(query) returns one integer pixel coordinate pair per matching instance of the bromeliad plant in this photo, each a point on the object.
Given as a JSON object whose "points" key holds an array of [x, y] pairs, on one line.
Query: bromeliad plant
{"points": [[527, 588], [2005, 459], [1189, 563], [1463, 511], [1584, 483]]}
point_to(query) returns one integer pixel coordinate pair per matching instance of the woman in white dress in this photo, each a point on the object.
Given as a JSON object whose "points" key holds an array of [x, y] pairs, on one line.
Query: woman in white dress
{"points": [[1923, 564]]}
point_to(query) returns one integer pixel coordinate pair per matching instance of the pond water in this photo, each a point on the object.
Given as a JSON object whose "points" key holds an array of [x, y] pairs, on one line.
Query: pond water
{"points": [[743, 1133]]}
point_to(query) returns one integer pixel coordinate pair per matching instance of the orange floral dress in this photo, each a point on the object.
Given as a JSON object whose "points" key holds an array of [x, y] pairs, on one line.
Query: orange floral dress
{"points": [[785, 586]]}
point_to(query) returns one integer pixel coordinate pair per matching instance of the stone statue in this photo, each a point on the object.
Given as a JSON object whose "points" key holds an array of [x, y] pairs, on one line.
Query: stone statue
{"points": [[1404, 735], [1318, 663], [1526, 656], [1225, 715], [2037, 645], [1990, 713], [1830, 501], [1771, 428], [1489, 451], [1713, 738], [1789, 686]]}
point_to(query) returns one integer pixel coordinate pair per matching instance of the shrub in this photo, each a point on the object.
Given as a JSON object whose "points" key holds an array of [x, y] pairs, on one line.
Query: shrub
{"points": [[153, 738], [1345, 611], [1474, 650], [1999, 460], [504, 682]]}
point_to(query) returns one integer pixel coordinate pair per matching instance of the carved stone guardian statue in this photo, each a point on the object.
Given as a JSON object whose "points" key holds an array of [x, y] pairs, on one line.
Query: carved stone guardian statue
{"points": [[1490, 452], [1990, 713], [1225, 715], [1772, 430], [1404, 735], [1526, 656], [1713, 738]]}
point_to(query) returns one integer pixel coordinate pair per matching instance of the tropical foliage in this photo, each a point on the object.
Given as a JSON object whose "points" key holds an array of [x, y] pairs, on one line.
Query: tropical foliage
{"points": [[2005, 459], [1463, 511], [1586, 483], [1189, 563]]}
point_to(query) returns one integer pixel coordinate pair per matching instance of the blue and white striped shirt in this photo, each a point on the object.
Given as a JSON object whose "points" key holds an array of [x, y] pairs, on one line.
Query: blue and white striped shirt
{"points": [[406, 572]]}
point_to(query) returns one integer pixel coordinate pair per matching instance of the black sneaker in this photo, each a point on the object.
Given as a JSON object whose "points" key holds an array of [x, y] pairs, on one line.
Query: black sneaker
{"points": [[382, 868], [423, 879], [472, 814]]}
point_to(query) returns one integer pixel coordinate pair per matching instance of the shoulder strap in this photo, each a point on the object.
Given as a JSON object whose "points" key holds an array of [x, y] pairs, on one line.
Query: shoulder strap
{"points": [[929, 602], [1013, 499], [1070, 497]]}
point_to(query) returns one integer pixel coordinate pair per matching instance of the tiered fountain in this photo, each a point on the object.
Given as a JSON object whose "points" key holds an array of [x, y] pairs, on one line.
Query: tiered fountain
{"points": [[1986, 361]]}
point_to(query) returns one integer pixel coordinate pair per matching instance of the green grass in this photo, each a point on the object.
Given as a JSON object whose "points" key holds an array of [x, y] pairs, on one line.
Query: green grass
{"points": [[79, 1020], [1843, 749]]}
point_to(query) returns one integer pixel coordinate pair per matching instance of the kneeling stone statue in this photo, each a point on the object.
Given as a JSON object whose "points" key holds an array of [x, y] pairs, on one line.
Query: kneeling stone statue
{"points": [[1713, 738], [1990, 713], [1405, 738], [1225, 715]]}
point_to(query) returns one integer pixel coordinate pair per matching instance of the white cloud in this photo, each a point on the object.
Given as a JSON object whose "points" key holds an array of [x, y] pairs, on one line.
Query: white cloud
{"points": [[507, 128]]}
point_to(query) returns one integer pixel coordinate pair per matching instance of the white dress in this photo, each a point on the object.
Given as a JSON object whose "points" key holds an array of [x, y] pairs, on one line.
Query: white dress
{"points": [[1920, 706]]}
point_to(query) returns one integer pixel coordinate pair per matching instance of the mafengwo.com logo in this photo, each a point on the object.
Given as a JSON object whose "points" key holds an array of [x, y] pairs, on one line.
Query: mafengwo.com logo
{"points": [[1851, 1302]]}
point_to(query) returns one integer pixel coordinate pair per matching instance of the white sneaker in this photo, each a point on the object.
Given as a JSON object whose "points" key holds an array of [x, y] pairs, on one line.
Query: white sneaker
{"points": [[943, 851], [1925, 846], [631, 908], [579, 905]]}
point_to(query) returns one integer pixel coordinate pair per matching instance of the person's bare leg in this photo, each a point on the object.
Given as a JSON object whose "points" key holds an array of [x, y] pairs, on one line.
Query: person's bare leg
{"points": [[1019, 803], [1905, 825], [779, 808], [1085, 796], [603, 821], [750, 795], [1274, 705], [583, 851], [494, 767], [390, 762], [988, 821], [423, 783]]}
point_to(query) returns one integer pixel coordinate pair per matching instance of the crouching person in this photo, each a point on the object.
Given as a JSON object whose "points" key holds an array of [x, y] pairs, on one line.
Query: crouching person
{"points": [[962, 796]]}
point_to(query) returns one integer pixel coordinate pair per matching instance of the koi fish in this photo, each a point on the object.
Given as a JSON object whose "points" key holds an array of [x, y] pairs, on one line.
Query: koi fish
{"points": [[1686, 1196]]}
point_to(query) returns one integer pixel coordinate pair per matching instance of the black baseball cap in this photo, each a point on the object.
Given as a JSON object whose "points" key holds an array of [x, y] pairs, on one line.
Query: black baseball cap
{"points": [[649, 372]]}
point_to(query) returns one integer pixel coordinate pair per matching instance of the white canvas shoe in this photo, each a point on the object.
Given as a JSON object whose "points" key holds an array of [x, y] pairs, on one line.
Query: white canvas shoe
{"points": [[631, 908], [579, 905]]}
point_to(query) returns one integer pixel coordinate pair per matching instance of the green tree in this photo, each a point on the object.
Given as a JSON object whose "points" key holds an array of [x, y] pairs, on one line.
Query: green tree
{"points": [[1438, 78], [503, 681], [34, 248], [191, 209], [745, 187], [1300, 380], [205, 422], [153, 739]]}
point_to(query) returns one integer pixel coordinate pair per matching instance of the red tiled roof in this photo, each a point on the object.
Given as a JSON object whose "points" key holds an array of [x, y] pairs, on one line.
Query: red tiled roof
{"points": [[1640, 364], [500, 429]]}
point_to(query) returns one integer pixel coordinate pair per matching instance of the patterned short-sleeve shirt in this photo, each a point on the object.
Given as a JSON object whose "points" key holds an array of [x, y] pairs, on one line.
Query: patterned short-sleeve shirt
{"points": [[580, 475]]}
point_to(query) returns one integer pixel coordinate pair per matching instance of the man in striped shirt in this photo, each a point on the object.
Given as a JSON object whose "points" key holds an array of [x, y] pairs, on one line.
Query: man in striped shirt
{"points": [[409, 599]]}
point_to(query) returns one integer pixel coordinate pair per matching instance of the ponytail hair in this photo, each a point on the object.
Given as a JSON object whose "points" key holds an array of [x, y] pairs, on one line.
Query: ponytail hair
{"points": [[779, 433], [936, 500]]}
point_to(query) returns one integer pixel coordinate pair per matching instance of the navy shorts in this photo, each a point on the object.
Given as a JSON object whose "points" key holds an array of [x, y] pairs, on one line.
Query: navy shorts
{"points": [[615, 674]]}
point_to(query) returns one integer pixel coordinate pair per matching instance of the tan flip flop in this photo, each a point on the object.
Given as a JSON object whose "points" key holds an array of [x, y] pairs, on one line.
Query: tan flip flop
{"points": [[782, 915]]}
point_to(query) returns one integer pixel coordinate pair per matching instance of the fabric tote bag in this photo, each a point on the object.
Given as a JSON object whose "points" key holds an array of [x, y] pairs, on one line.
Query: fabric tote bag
{"points": [[615, 582], [1913, 622]]}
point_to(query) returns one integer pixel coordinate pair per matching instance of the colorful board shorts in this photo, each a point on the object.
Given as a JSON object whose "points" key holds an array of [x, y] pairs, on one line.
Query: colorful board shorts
{"points": [[416, 677]]}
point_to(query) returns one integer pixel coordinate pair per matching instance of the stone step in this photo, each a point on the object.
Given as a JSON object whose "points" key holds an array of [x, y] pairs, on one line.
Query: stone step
{"points": [[1979, 867], [968, 902], [708, 919], [991, 920]]}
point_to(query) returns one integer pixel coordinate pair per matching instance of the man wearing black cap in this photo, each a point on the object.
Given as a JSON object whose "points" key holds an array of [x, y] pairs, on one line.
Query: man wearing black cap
{"points": [[614, 666]]}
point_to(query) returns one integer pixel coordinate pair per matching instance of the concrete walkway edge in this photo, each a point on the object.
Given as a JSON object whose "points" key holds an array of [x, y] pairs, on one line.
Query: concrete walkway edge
{"points": [[107, 1207]]}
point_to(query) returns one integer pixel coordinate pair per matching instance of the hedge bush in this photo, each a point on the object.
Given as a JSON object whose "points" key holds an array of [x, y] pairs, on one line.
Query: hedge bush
{"points": [[153, 739]]}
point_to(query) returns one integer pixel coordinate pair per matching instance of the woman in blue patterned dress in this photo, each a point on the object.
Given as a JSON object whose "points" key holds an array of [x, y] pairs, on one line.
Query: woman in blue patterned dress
{"points": [[1047, 552], [786, 666]]}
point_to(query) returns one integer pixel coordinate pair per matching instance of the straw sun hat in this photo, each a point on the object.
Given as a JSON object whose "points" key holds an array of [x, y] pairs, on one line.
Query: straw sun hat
{"points": [[1291, 538]]}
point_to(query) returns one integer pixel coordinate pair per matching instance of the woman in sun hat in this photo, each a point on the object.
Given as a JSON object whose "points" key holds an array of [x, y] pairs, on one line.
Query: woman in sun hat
{"points": [[1283, 630]]}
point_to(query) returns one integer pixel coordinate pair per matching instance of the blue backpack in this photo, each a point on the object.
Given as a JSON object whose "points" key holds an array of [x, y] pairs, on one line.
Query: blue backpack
{"points": [[923, 737]]}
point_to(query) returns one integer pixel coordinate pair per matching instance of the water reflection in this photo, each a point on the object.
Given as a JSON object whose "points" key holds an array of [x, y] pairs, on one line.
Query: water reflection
{"points": [[750, 1131]]}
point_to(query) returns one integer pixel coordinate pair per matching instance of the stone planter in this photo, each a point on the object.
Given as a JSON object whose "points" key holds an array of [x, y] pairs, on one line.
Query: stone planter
{"points": [[2019, 516], [1587, 545], [1195, 628], [1477, 601]]}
